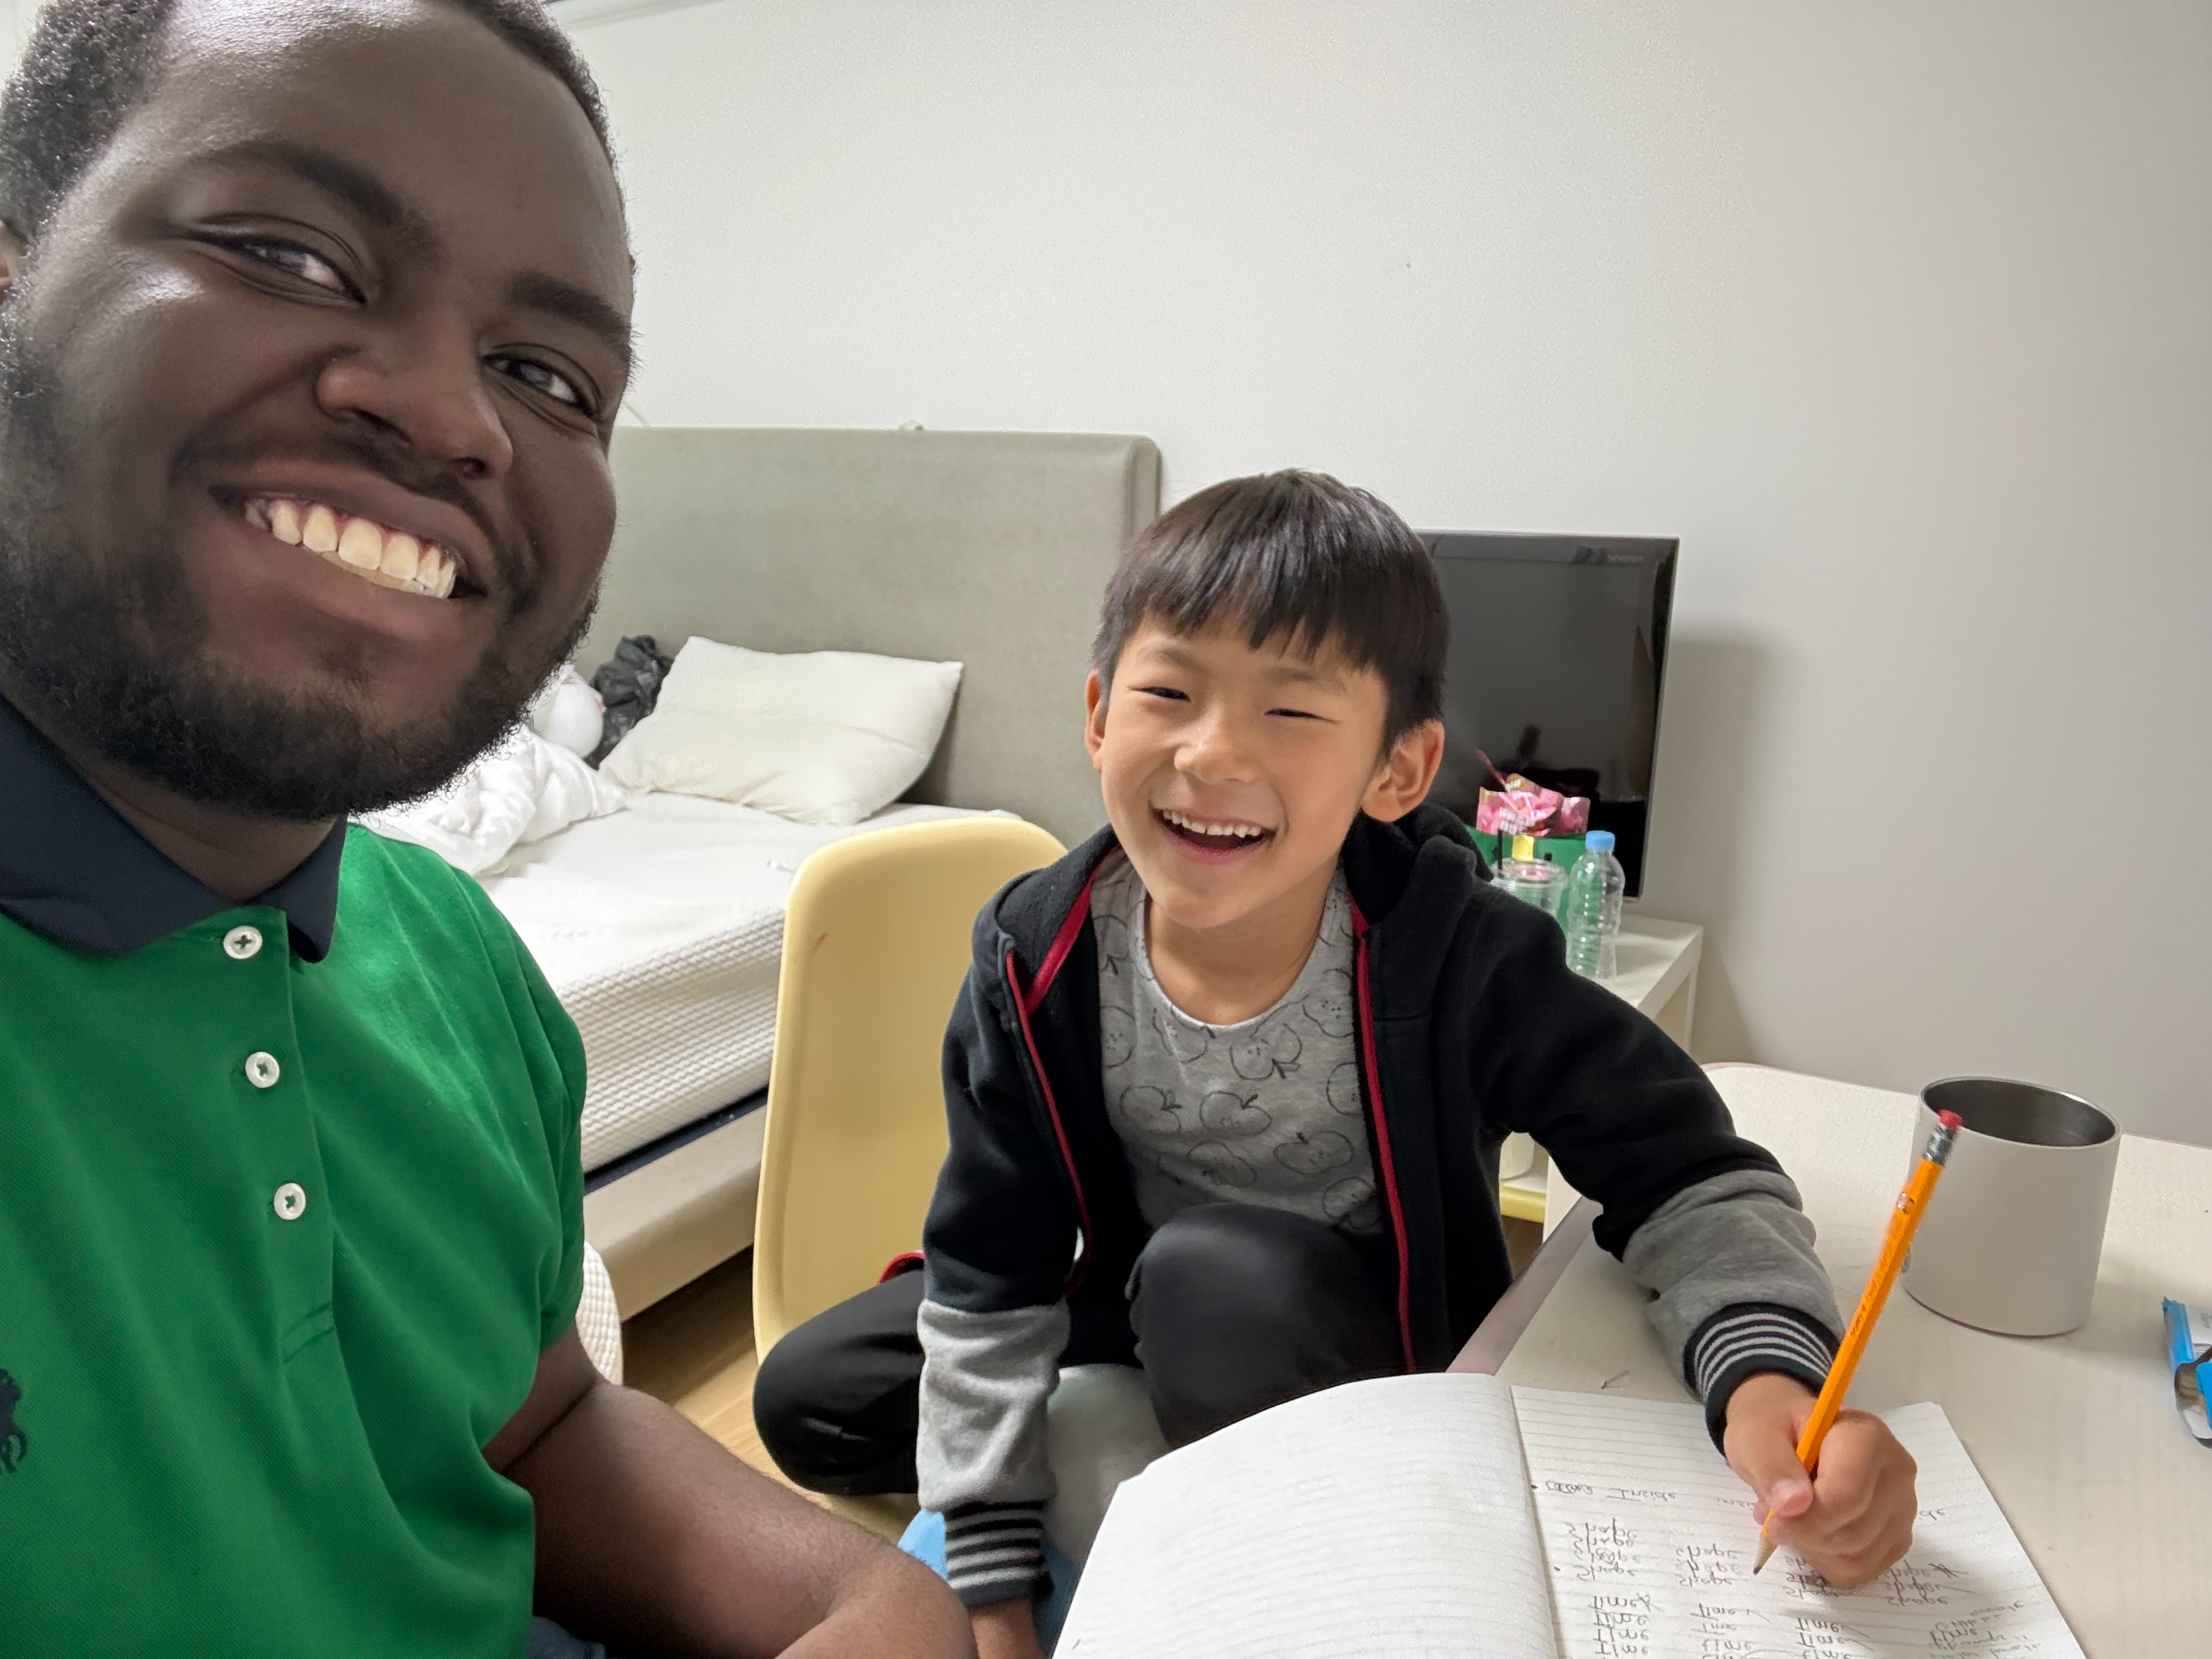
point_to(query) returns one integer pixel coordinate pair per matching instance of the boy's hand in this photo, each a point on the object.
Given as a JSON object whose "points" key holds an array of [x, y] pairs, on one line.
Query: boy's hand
{"points": [[1006, 1629], [1852, 1522]]}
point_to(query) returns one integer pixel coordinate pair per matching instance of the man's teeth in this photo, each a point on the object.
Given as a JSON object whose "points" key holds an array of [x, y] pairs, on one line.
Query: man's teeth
{"points": [[403, 556], [361, 545], [1202, 827], [390, 558]]}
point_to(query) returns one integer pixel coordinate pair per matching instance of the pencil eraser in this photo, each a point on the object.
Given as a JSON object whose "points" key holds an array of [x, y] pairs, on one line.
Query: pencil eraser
{"points": [[1951, 1120]]}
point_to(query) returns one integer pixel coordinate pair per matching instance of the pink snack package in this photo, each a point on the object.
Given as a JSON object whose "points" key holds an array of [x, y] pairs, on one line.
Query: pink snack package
{"points": [[1523, 808]]}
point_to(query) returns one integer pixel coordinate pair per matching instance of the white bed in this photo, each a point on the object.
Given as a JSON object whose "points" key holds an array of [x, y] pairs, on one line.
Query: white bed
{"points": [[661, 928]]}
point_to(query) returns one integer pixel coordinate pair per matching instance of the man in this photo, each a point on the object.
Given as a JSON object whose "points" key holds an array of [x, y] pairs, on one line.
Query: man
{"points": [[314, 327]]}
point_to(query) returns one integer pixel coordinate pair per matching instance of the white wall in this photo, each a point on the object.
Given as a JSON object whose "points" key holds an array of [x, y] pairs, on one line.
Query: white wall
{"points": [[17, 17], [1898, 314]]}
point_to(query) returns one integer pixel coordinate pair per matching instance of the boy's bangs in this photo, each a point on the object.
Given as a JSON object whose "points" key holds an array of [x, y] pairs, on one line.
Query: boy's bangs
{"points": [[1295, 560], [1265, 599]]}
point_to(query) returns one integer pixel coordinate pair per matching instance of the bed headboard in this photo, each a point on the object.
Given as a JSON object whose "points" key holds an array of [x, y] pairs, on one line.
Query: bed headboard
{"points": [[989, 549]]}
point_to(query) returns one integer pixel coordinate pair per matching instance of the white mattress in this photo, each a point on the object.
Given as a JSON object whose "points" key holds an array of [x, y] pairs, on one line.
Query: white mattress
{"points": [[661, 929]]}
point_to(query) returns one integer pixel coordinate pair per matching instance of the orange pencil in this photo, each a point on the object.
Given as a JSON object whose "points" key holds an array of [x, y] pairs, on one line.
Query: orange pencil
{"points": [[1909, 1203]]}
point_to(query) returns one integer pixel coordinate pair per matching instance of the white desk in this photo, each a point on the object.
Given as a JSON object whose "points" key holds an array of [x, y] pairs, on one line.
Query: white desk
{"points": [[1658, 978], [2076, 1435]]}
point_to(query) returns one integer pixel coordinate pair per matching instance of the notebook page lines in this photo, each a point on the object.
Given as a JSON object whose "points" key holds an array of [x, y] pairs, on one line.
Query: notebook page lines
{"points": [[1649, 1539], [1388, 1517]]}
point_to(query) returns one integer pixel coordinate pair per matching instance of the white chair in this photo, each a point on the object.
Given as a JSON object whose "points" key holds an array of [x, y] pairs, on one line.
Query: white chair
{"points": [[598, 1324]]}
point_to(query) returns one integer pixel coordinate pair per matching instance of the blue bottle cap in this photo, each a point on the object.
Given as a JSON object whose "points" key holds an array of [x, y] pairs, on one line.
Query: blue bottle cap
{"points": [[1598, 840]]}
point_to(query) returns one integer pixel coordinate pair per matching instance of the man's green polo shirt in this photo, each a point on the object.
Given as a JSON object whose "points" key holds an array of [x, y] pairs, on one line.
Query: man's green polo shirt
{"points": [[281, 1241]]}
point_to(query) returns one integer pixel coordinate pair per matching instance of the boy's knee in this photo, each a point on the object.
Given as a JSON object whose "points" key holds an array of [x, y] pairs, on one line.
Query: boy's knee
{"points": [[835, 1401], [786, 1391], [1255, 1265], [1238, 1307]]}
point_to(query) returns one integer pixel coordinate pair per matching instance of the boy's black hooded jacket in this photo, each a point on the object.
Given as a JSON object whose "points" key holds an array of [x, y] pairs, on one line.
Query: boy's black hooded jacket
{"points": [[1470, 1027]]}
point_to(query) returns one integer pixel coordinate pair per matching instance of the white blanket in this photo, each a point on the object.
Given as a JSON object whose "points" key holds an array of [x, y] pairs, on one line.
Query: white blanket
{"points": [[523, 791], [661, 930]]}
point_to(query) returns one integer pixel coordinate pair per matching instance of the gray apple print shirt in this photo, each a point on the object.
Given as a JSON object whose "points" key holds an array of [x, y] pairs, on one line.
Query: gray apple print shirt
{"points": [[1266, 1111]]}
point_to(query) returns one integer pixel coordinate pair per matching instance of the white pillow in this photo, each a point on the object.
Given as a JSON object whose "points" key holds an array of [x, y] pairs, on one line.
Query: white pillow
{"points": [[522, 791], [820, 737]]}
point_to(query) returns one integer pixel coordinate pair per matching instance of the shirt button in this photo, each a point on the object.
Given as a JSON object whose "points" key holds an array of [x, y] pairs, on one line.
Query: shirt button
{"points": [[240, 943], [291, 1201], [262, 1070]]}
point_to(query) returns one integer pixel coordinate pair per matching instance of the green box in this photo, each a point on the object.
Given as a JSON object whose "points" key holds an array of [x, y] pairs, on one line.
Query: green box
{"points": [[1562, 850]]}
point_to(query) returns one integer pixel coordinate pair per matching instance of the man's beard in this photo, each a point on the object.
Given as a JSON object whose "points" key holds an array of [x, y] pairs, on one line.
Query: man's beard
{"points": [[121, 663]]}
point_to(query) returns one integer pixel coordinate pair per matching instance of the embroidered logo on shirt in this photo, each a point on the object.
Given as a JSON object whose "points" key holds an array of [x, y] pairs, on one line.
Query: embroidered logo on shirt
{"points": [[13, 1443]]}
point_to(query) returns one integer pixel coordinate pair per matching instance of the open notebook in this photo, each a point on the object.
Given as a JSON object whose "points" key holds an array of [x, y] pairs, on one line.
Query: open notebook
{"points": [[1455, 1515]]}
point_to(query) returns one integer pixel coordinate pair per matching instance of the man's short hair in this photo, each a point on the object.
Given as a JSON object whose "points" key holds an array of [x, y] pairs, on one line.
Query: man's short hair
{"points": [[90, 62], [1299, 559]]}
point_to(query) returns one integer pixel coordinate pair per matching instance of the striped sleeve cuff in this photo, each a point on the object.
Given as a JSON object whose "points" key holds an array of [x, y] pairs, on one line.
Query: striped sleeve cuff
{"points": [[994, 1551], [1749, 1338]]}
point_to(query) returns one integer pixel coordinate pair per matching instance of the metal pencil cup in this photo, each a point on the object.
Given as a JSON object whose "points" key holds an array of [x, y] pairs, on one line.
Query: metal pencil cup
{"points": [[2012, 1238]]}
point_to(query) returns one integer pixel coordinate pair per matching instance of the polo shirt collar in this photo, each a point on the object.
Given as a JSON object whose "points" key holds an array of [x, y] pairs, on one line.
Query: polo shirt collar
{"points": [[74, 872]]}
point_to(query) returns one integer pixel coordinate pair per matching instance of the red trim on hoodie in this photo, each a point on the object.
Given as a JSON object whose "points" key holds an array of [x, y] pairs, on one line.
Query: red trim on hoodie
{"points": [[1055, 958], [1383, 1152], [906, 1261], [1023, 1002]]}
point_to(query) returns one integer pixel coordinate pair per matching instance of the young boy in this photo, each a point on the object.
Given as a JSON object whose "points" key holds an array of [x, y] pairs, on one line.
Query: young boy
{"points": [[1226, 1085]]}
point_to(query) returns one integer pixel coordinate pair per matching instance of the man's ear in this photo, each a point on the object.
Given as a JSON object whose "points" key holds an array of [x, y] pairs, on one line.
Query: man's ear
{"points": [[1094, 716], [1401, 782]]}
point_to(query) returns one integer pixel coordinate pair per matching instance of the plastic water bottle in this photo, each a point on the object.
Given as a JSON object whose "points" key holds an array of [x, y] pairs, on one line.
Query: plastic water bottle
{"points": [[1590, 911]]}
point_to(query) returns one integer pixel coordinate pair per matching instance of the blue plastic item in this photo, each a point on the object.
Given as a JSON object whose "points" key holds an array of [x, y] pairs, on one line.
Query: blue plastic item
{"points": [[2188, 1351]]}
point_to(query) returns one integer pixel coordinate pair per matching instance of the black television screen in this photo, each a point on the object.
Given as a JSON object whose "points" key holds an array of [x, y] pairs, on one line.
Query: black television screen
{"points": [[1558, 655]]}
